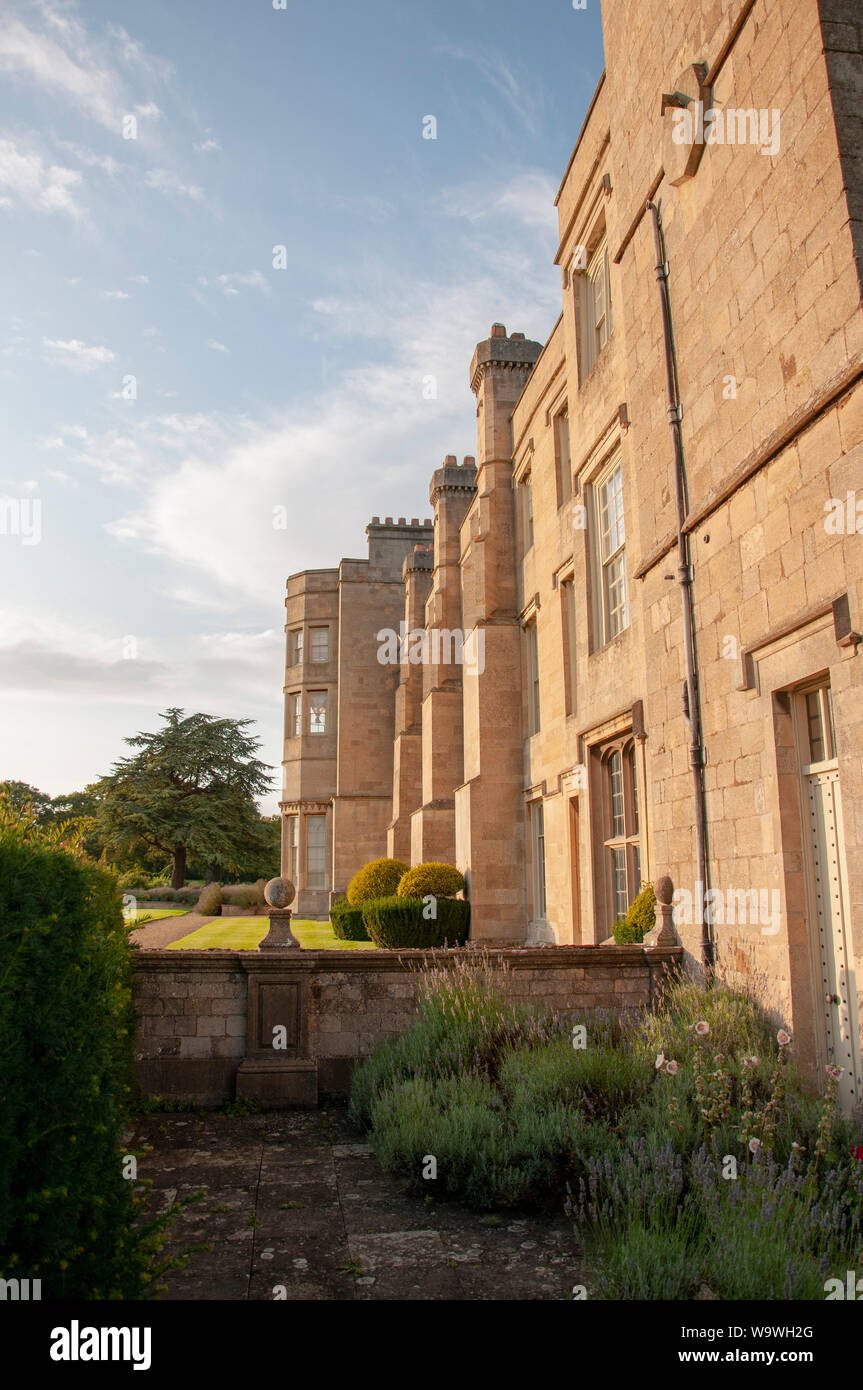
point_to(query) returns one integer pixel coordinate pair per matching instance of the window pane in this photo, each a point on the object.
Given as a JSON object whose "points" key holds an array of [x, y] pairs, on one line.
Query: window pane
{"points": [[298, 647], [571, 667], [831, 731], [616, 596], [532, 680], [293, 845], [636, 855], [618, 882], [615, 773], [564, 457], [815, 723], [318, 707], [295, 717], [316, 851], [611, 529], [633, 768], [539, 858], [320, 644]]}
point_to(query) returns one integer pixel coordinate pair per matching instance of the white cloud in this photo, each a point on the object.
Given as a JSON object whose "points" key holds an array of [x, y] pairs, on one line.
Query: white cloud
{"points": [[92, 160], [229, 282], [368, 444], [76, 355], [519, 92], [217, 347], [140, 279], [113, 294], [44, 187], [79, 76], [115, 457], [527, 199], [164, 181], [206, 146]]}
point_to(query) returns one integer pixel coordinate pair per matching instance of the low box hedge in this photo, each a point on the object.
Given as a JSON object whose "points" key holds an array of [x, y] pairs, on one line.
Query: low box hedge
{"points": [[347, 922], [394, 922]]}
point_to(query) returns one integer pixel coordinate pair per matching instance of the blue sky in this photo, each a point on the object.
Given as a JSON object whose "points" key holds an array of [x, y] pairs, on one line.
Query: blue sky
{"points": [[166, 387]]}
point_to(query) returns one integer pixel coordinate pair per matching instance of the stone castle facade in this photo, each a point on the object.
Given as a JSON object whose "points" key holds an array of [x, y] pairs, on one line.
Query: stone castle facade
{"points": [[632, 625]]}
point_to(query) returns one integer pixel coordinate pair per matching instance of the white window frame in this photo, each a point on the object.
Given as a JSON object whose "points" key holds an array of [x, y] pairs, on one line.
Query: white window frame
{"points": [[316, 875], [293, 848], [317, 632], [539, 902], [569, 622], [608, 553], [295, 714], [594, 306], [526, 495], [322, 705], [563, 456], [297, 646], [622, 831], [531, 661]]}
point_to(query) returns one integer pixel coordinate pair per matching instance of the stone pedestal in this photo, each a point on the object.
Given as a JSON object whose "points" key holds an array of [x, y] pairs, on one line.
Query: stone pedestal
{"points": [[663, 934], [280, 937]]}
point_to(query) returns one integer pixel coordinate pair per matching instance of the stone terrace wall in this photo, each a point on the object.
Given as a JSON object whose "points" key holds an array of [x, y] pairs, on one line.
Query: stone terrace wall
{"points": [[193, 1012]]}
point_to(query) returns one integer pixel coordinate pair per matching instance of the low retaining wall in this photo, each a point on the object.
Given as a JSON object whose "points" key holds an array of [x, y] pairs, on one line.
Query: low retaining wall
{"points": [[206, 1018]]}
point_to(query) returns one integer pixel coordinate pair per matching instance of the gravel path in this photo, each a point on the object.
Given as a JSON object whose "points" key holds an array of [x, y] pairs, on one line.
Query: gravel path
{"points": [[153, 936], [295, 1206]]}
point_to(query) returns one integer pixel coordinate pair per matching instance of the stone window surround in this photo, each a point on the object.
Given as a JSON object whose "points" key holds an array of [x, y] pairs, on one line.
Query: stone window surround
{"points": [[562, 465], [317, 817], [600, 637], [317, 629], [595, 242], [626, 745], [295, 714], [301, 811], [319, 733], [533, 710], [535, 808], [627, 723], [295, 645]]}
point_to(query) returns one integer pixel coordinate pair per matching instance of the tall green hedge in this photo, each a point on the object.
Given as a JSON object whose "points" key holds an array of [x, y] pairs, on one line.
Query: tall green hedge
{"points": [[67, 1214]]}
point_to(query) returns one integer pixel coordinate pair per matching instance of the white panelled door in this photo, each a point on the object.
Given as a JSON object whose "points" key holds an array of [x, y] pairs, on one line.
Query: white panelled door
{"points": [[828, 894]]}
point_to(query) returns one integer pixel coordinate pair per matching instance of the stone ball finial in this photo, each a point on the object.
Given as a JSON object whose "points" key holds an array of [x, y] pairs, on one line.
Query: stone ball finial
{"points": [[664, 889], [279, 892]]}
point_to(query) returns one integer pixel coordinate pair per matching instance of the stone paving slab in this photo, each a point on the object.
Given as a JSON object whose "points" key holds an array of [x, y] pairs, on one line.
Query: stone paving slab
{"points": [[296, 1202]]}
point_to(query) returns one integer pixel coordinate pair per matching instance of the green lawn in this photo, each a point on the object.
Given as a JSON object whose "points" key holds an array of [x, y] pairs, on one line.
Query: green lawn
{"points": [[245, 934], [143, 914]]}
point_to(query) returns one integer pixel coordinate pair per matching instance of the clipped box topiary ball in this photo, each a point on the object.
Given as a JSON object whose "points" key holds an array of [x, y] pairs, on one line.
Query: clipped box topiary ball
{"points": [[431, 880], [380, 879]]}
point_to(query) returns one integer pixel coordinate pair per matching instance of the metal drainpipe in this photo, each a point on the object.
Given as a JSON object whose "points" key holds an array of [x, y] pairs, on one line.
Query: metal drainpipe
{"points": [[685, 579]]}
